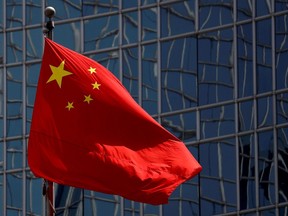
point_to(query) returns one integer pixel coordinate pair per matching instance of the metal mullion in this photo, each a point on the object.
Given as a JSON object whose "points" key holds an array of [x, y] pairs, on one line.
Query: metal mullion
{"points": [[275, 140], [254, 47], [159, 108], [24, 108], [236, 113], [122, 206], [4, 110]]}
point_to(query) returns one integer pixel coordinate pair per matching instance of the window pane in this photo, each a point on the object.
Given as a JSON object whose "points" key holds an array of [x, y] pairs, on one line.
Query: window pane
{"points": [[178, 74], [14, 192], [174, 14], [282, 108], [182, 126], [14, 47], [247, 172], [282, 137], [215, 67], [263, 7], [13, 13], [266, 168], [265, 108], [217, 121], [281, 51], [244, 60], [33, 11], [246, 115], [14, 154], [149, 79], [215, 12], [264, 56], [149, 24], [244, 9], [14, 101], [130, 27], [101, 33], [34, 45], [218, 177], [130, 71], [98, 7]]}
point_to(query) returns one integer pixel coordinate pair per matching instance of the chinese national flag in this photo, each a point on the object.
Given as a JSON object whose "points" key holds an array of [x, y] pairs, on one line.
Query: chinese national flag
{"points": [[88, 132]]}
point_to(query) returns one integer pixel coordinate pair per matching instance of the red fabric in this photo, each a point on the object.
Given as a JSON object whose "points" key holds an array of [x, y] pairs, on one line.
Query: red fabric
{"points": [[110, 144]]}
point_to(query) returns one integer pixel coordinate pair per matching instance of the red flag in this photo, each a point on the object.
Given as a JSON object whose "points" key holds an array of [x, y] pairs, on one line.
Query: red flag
{"points": [[88, 132]]}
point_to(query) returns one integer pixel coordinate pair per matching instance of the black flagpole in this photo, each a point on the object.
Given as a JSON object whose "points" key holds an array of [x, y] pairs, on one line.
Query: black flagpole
{"points": [[48, 191]]}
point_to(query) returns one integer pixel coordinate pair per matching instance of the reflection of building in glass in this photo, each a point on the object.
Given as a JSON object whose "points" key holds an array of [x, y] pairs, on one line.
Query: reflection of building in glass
{"points": [[213, 72]]}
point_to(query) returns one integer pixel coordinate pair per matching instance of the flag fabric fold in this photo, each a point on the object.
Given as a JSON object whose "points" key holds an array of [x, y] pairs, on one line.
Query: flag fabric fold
{"points": [[88, 132]]}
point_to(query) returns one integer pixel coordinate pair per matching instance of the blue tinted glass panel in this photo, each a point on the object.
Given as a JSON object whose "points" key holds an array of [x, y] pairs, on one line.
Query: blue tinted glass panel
{"points": [[14, 191], [178, 74], [130, 71], [32, 72], [14, 47], [244, 60], [33, 186], [149, 24], [72, 35], [263, 7], [282, 138], [282, 108], [217, 121], [14, 154], [13, 13], [281, 5], [14, 101], [101, 33], [1, 15], [129, 4], [66, 9], [265, 109], [281, 51], [215, 13], [33, 12], [101, 204], [182, 126], [147, 2], [247, 172], [246, 115], [218, 177], [266, 168], [34, 44], [98, 7], [177, 18], [264, 56], [130, 27], [68, 200], [1, 49], [215, 67], [244, 9], [150, 76]]}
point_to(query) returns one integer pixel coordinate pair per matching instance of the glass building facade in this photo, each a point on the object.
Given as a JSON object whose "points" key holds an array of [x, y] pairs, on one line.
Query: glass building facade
{"points": [[212, 72]]}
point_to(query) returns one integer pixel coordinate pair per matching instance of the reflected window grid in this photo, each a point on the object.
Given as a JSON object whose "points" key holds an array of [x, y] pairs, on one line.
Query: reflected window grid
{"points": [[176, 97]]}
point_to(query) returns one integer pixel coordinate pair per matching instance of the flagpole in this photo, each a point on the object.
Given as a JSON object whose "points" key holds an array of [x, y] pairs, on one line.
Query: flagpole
{"points": [[50, 211]]}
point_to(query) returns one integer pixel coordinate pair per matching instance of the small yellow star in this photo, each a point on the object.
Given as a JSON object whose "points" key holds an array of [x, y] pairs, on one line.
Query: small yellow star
{"points": [[88, 99], [58, 73], [69, 106], [96, 85], [92, 70]]}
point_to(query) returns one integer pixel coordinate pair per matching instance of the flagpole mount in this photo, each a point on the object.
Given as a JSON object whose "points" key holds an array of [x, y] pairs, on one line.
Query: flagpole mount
{"points": [[49, 12]]}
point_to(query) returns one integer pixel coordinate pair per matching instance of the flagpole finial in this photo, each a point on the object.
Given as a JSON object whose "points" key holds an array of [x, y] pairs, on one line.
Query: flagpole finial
{"points": [[49, 12]]}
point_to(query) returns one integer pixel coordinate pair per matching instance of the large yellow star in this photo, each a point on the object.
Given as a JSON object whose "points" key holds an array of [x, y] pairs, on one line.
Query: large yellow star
{"points": [[58, 73], [88, 99], [96, 85], [69, 106]]}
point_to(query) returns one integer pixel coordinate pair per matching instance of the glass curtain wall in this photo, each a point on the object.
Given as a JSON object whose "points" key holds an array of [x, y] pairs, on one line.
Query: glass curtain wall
{"points": [[212, 72]]}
